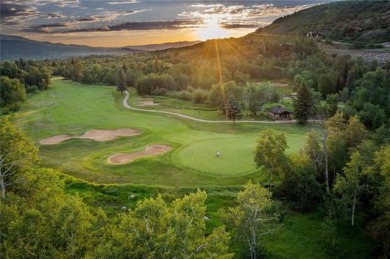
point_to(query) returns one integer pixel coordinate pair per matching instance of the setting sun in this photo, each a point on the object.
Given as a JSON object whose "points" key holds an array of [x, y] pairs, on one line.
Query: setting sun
{"points": [[212, 30]]}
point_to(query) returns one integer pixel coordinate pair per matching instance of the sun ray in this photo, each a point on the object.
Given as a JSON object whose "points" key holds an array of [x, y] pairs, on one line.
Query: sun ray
{"points": [[218, 61]]}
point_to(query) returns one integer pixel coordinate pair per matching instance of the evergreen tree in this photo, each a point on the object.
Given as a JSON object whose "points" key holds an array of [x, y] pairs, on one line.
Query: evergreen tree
{"points": [[233, 110], [303, 105], [121, 85]]}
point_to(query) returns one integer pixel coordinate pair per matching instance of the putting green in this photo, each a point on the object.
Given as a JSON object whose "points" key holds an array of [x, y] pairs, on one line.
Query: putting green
{"points": [[236, 157]]}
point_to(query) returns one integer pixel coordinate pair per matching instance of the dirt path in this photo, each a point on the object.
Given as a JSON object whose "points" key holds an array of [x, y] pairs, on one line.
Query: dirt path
{"points": [[197, 119]]}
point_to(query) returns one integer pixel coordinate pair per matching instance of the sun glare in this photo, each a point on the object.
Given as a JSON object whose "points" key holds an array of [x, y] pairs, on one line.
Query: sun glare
{"points": [[212, 30]]}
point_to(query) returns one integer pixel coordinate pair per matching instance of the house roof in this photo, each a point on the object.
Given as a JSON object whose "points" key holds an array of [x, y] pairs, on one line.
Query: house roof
{"points": [[278, 110]]}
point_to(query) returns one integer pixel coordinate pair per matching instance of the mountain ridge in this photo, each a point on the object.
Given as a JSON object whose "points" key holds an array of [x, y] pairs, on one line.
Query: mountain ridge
{"points": [[15, 47]]}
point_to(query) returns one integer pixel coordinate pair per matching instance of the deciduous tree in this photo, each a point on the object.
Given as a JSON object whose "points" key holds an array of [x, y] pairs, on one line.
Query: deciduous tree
{"points": [[155, 229], [253, 216], [349, 185], [270, 153], [18, 156]]}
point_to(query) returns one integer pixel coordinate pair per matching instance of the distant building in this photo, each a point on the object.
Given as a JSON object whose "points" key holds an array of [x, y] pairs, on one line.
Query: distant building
{"points": [[311, 34], [279, 113]]}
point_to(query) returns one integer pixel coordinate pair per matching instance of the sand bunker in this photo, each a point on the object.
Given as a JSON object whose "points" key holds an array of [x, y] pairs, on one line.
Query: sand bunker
{"points": [[107, 135], [279, 84], [147, 103], [94, 134], [152, 150], [55, 139]]}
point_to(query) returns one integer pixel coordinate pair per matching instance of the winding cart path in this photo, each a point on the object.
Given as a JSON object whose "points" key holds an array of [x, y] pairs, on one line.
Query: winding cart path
{"points": [[125, 103]]}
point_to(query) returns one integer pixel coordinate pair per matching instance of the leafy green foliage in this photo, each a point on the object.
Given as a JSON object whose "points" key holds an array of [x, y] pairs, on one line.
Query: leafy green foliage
{"points": [[12, 93], [155, 229], [350, 184], [371, 98], [270, 153], [18, 78], [233, 110], [380, 226], [253, 216], [18, 158], [303, 105], [154, 84], [299, 184]]}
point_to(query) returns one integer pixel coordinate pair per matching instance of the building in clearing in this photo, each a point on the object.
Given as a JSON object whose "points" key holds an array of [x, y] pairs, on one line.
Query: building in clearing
{"points": [[279, 113]]}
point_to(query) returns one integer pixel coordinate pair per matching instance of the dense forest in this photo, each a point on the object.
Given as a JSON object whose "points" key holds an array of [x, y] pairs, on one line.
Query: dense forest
{"points": [[342, 172]]}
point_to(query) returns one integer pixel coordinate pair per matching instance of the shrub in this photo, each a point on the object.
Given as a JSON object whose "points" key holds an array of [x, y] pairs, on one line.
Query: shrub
{"points": [[199, 96]]}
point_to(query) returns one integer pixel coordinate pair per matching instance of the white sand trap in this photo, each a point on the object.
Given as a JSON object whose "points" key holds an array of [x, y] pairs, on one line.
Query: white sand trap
{"points": [[152, 150], [147, 103], [55, 139], [279, 84], [107, 135], [97, 135]]}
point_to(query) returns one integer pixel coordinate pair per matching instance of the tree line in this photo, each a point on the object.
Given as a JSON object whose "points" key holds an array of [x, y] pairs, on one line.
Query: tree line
{"points": [[20, 78]]}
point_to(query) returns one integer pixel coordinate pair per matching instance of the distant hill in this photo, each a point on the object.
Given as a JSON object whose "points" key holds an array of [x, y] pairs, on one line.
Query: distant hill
{"points": [[366, 21], [13, 47], [162, 46]]}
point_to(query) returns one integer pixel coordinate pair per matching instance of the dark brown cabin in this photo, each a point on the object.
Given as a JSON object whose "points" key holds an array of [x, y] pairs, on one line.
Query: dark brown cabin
{"points": [[279, 113]]}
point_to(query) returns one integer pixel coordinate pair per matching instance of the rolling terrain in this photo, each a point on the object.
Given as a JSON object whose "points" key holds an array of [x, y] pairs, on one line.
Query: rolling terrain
{"points": [[350, 21], [13, 47]]}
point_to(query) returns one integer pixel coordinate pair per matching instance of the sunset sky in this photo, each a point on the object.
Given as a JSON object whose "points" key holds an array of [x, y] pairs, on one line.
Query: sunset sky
{"points": [[119, 23]]}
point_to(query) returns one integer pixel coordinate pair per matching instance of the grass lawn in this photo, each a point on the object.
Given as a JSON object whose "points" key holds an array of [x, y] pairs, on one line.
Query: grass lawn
{"points": [[70, 108]]}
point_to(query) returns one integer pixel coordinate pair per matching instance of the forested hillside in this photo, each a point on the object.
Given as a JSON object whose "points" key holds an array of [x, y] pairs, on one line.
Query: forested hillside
{"points": [[364, 22]]}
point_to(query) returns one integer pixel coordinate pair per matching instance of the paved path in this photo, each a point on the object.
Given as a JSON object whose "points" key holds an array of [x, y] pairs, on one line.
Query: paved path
{"points": [[197, 119]]}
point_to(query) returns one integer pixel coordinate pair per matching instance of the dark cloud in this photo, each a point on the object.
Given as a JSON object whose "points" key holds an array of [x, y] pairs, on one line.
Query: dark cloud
{"points": [[51, 25], [10, 12], [86, 19], [46, 28], [160, 25], [55, 15]]}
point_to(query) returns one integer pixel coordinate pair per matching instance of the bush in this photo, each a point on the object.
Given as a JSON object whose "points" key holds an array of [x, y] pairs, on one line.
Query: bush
{"points": [[159, 91], [184, 95], [199, 96], [147, 84]]}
